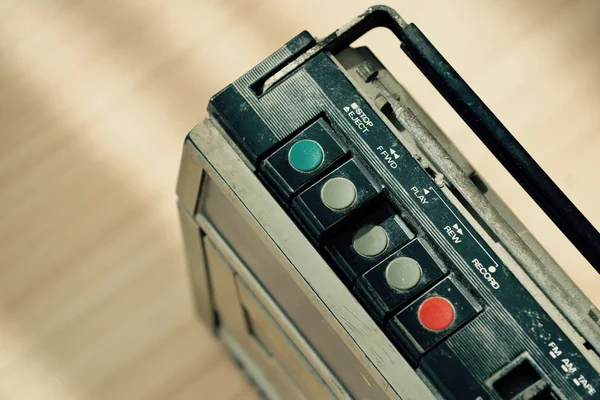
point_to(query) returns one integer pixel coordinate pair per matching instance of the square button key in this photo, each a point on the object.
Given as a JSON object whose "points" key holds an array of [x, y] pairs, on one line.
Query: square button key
{"points": [[367, 240], [293, 165], [333, 197], [432, 317], [398, 278]]}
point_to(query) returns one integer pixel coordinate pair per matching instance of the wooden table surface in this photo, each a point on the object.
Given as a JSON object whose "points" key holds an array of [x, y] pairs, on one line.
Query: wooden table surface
{"points": [[96, 98]]}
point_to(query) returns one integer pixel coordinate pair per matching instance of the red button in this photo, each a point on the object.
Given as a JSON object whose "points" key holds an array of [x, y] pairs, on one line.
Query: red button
{"points": [[436, 313]]}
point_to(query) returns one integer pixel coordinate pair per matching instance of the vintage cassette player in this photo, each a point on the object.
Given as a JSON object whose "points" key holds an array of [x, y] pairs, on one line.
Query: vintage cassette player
{"points": [[343, 248]]}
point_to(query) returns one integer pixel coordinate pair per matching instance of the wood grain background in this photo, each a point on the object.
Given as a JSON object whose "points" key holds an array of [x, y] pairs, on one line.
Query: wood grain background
{"points": [[95, 100]]}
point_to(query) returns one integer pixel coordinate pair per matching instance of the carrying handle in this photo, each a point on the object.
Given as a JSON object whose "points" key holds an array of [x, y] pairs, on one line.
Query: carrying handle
{"points": [[524, 169]]}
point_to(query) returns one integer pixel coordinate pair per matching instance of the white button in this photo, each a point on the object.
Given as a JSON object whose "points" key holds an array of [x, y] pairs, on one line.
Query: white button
{"points": [[403, 273], [338, 193], [370, 240]]}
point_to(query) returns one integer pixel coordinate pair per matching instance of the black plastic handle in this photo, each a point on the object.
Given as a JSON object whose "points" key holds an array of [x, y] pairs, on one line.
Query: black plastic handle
{"points": [[481, 120], [502, 144]]}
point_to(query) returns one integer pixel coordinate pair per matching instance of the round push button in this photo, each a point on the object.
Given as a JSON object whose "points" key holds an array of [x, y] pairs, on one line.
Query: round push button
{"points": [[338, 193], [370, 240], [305, 155], [436, 314], [403, 273]]}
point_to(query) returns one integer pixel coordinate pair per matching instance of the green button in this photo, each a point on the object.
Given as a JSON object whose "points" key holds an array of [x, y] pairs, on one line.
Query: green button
{"points": [[305, 155]]}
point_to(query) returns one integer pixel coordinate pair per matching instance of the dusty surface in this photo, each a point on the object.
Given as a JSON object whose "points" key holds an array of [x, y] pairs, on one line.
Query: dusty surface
{"points": [[95, 99]]}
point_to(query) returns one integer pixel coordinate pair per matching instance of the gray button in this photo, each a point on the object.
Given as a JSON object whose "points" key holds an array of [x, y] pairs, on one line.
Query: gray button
{"points": [[370, 240], [403, 273], [338, 193]]}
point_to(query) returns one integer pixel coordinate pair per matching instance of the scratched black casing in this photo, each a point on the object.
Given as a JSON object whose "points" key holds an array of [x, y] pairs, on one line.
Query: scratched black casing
{"points": [[511, 321]]}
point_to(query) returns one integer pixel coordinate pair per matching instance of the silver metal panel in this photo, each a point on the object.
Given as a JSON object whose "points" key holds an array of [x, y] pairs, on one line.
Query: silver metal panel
{"points": [[233, 323], [254, 371], [291, 360], [192, 240], [190, 177], [275, 312]]}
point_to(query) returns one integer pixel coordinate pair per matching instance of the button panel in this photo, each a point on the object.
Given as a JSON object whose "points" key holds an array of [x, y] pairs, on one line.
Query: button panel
{"points": [[260, 123], [432, 317], [398, 278], [329, 200], [293, 165], [367, 240]]}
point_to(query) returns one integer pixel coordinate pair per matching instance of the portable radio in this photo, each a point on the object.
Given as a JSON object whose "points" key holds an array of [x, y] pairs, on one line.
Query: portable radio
{"points": [[342, 247]]}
